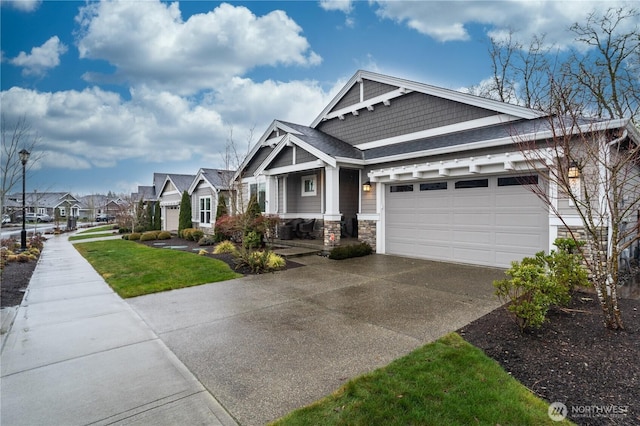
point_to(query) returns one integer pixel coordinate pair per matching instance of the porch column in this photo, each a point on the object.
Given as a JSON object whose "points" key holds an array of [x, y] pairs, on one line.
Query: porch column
{"points": [[332, 206], [271, 196]]}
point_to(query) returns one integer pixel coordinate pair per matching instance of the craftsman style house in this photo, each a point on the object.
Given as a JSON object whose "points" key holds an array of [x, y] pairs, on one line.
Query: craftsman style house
{"points": [[414, 170]]}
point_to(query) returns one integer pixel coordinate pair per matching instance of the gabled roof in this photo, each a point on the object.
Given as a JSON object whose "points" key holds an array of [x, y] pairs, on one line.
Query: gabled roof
{"points": [[216, 178], [405, 86], [181, 182], [45, 199]]}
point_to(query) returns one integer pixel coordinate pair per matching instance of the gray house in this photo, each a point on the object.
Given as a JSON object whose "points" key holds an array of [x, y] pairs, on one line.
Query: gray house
{"points": [[43, 203], [205, 190], [169, 196], [415, 170]]}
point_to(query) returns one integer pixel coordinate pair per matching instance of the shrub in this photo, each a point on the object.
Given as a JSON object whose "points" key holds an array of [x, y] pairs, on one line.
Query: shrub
{"points": [[225, 228], [186, 233], [225, 247], [203, 252], [125, 236], [354, 250], [252, 240], [196, 235], [164, 235], [275, 261], [542, 281], [527, 292], [134, 236], [207, 240], [149, 236]]}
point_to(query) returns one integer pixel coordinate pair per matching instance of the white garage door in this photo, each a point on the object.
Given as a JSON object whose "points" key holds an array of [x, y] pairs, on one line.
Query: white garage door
{"points": [[483, 221], [172, 218]]}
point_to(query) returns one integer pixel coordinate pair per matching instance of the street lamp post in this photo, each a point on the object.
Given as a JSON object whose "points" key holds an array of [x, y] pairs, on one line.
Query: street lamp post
{"points": [[24, 157]]}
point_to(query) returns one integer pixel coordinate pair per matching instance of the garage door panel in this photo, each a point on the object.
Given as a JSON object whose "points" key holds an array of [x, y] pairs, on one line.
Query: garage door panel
{"points": [[485, 226], [475, 218], [470, 235], [518, 239], [470, 201], [472, 255]]}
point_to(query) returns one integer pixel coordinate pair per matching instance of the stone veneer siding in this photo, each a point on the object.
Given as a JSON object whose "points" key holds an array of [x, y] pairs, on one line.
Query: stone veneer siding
{"points": [[331, 227], [367, 232], [581, 235]]}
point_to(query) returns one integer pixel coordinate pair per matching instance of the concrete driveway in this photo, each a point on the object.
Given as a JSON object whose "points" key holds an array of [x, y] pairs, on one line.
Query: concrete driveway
{"points": [[267, 344]]}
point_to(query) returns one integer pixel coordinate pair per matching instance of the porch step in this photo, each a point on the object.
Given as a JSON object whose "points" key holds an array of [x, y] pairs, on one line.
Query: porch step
{"points": [[289, 252]]}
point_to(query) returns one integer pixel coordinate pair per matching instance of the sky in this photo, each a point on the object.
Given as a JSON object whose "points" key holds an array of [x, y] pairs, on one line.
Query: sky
{"points": [[118, 90]]}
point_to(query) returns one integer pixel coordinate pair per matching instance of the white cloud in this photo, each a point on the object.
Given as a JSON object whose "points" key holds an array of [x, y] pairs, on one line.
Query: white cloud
{"points": [[99, 128], [22, 5], [149, 43], [345, 6], [449, 20], [41, 58]]}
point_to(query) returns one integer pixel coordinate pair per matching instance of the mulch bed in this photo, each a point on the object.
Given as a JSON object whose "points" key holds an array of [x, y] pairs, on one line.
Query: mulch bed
{"points": [[14, 281], [572, 359], [193, 247]]}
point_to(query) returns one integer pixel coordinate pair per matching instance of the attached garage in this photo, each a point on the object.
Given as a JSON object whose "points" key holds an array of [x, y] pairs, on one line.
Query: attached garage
{"points": [[477, 220], [172, 218]]}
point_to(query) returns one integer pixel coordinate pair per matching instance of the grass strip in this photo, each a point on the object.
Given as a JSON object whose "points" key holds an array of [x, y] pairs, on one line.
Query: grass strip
{"points": [[447, 382], [133, 269], [98, 229], [92, 235]]}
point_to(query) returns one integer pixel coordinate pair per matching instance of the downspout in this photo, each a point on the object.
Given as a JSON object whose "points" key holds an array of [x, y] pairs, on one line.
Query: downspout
{"points": [[609, 221]]}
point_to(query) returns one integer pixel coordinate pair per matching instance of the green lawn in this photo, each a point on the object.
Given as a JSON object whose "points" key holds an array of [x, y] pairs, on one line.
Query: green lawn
{"points": [[448, 382], [91, 235], [98, 229], [133, 269]]}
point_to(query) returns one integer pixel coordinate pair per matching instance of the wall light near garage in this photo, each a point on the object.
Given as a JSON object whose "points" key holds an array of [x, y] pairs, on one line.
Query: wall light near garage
{"points": [[574, 170], [366, 187]]}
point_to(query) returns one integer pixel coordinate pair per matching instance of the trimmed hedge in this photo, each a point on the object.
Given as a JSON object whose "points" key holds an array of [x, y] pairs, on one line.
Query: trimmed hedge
{"points": [[354, 250]]}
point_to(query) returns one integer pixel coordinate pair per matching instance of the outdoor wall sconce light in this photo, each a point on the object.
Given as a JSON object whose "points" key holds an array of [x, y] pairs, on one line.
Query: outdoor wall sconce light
{"points": [[366, 187], [574, 170]]}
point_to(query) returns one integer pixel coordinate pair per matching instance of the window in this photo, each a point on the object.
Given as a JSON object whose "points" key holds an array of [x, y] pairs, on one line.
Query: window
{"points": [[435, 186], [309, 186], [474, 183], [205, 210], [401, 188], [259, 190], [518, 180]]}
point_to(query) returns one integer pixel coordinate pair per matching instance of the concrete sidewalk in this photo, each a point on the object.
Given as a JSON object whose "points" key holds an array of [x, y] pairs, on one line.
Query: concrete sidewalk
{"points": [[78, 354]]}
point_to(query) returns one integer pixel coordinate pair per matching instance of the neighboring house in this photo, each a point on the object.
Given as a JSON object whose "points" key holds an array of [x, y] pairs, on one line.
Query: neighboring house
{"points": [[204, 190], [169, 196], [43, 203], [419, 170], [93, 205]]}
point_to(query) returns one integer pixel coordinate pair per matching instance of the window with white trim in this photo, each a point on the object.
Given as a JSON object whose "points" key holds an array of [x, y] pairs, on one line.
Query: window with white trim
{"points": [[205, 210], [260, 191], [309, 185]]}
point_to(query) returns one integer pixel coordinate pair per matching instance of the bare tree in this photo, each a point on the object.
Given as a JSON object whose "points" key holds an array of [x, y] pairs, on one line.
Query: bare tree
{"points": [[233, 159], [609, 73], [600, 78], [16, 136], [593, 173]]}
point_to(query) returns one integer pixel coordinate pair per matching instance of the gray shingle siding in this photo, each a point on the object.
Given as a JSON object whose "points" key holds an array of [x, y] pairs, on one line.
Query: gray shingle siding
{"points": [[373, 89], [350, 98], [303, 156], [257, 159], [284, 158], [407, 114]]}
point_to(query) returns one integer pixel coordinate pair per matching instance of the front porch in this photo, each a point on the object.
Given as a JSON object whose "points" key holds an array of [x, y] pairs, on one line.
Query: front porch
{"points": [[299, 247]]}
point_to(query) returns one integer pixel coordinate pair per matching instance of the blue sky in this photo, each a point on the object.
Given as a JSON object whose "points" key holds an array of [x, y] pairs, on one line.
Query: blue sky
{"points": [[119, 90]]}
